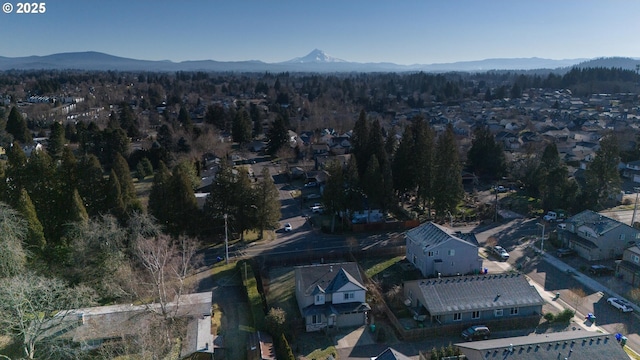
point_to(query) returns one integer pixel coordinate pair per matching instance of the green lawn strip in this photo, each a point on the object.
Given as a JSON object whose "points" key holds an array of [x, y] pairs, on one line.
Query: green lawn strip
{"points": [[373, 267]]}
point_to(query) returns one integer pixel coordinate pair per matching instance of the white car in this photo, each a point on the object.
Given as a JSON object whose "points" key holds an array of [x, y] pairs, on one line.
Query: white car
{"points": [[288, 227], [501, 252], [620, 304]]}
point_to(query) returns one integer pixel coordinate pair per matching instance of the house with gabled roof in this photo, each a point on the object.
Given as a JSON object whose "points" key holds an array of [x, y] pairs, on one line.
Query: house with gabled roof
{"points": [[594, 236], [547, 346], [473, 299], [436, 250], [629, 268], [331, 296]]}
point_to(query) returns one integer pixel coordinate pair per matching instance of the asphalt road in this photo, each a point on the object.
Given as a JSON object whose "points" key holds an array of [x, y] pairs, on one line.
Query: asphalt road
{"points": [[517, 236]]}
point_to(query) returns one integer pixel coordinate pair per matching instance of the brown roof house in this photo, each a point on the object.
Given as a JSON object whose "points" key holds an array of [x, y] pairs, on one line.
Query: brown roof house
{"points": [[331, 295]]}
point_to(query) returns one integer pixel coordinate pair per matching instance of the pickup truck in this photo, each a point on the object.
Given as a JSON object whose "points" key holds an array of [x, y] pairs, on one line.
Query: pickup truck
{"points": [[552, 216]]}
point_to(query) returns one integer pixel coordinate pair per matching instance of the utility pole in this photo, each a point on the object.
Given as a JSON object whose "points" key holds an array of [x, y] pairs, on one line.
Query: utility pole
{"points": [[541, 239], [635, 206], [226, 240]]}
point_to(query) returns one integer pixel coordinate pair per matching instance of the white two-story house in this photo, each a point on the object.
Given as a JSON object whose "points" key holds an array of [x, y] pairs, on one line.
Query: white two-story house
{"points": [[439, 251], [331, 295]]}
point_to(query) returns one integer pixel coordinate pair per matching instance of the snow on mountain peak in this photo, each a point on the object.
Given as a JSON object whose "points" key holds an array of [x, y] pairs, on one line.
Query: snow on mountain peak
{"points": [[315, 56]]}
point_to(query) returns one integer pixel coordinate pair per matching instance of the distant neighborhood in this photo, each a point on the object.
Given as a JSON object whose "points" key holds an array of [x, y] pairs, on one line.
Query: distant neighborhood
{"points": [[194, 215]]}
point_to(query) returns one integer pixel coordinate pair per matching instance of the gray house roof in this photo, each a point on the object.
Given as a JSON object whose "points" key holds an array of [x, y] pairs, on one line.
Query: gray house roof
{"points": [[598, 222], [328, 277], [551, 346], [391, 354], [431, 235], [483, 292]]}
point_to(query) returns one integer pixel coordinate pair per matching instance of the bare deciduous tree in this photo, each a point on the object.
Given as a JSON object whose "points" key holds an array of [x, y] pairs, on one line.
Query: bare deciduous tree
{"points": [[167, 264], [35, 310]]}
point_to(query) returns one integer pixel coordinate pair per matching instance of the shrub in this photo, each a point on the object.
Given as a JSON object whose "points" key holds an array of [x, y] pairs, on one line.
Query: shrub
{"points": [[550, 317], [255, 298], [565, 316]]}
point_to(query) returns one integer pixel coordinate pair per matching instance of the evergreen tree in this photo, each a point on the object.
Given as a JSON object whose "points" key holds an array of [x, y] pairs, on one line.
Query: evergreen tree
{"points": [[278, 136], [128, 121], [35, 240], [267, 202], [16, 173], [602, 177], [404, 171], [77, 212], [334, 195], [423, 159], [241, 129], [158, 206], [17, 126], [91, 184], [185, 119], [360, 142], [447, 180], [486, 157], [127, 188], [55, 144], [183, 207], [115, 203]]}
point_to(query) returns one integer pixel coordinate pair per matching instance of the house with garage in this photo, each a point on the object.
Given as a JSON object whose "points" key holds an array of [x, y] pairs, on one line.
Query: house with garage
{"points": [[594, 236], [629, 268], [547, 346], [473, 299], [331, 296], [436, 250]]}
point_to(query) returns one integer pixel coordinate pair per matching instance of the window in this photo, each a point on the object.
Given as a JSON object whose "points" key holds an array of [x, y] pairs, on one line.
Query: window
{"points": [[638, 236], [621, 236], [475, 315], [451, 252], [430, 253], [319, 299], [316, 319], [349, 295], [457, 316], [497, 312], [514, 311], [635, 258]]}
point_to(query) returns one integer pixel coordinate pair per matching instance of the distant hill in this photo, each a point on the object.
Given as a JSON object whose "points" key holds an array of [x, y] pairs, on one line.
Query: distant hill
{"points": [[611, 62], [316, 61]]}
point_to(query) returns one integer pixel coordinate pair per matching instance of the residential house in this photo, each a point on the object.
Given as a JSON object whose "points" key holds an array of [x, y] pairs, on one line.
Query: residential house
{"points": [[439, 251], [391, 354], [260, 346], [631, 171], [331, 296], [596, 237], [473, 299], [629, 268], [89, 327], [548, 346]]}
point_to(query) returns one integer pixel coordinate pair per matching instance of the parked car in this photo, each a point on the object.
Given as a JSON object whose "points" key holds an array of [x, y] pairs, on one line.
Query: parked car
{"points": [[500, 252], [311, 184], [317, 209], [563, 252], [600, 270], [476, 332], [288, 227], [620, 304]]}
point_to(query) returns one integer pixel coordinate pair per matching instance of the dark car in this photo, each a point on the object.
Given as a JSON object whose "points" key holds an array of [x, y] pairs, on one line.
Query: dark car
{"points": [[600, 270], [565, 252], [476, 332]]}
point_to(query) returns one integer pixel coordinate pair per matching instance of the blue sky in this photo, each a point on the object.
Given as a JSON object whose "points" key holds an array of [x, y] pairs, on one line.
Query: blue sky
{"points": [[403, 32]]}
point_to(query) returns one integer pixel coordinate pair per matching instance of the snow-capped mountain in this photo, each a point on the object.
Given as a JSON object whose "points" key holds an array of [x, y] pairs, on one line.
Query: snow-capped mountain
{"points": [[314, 57]]}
